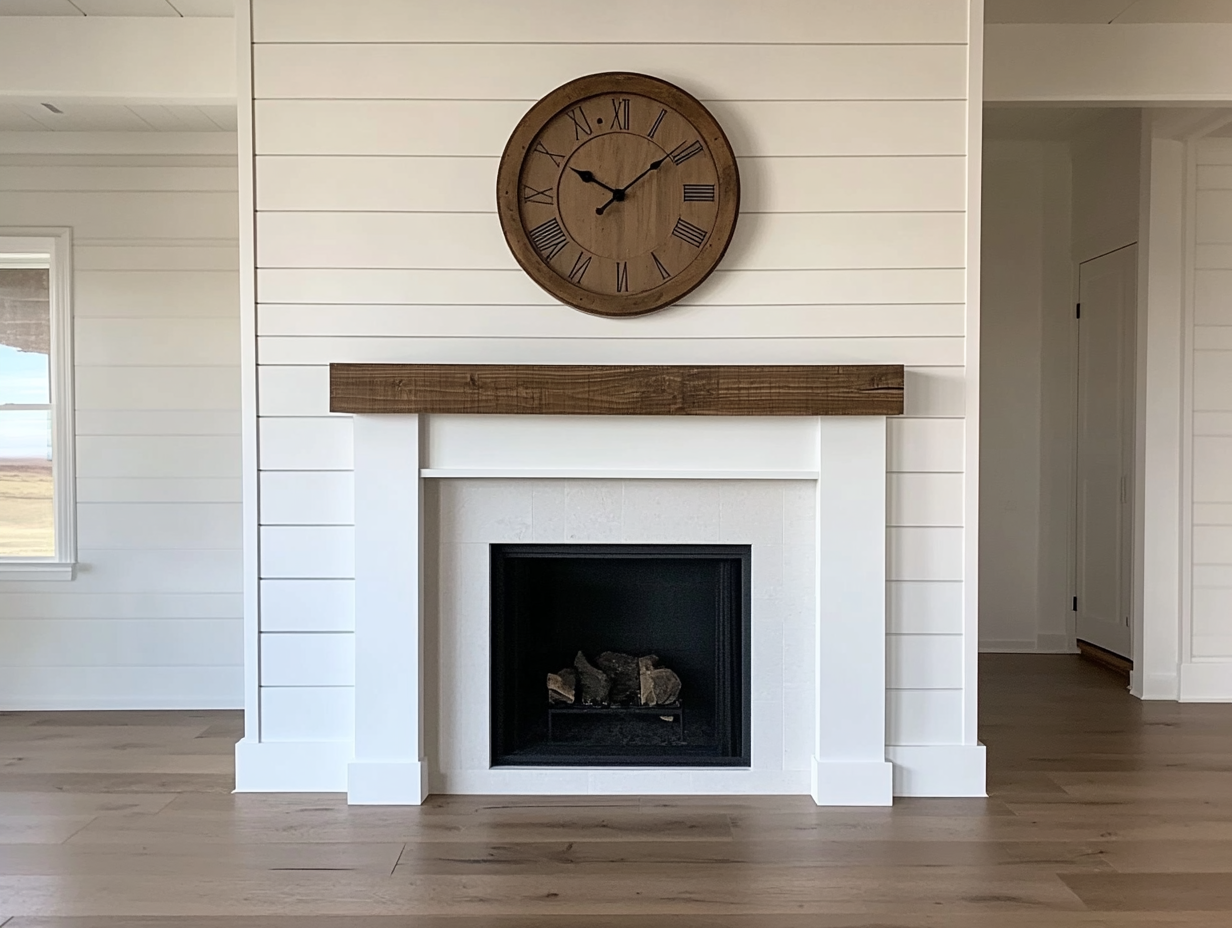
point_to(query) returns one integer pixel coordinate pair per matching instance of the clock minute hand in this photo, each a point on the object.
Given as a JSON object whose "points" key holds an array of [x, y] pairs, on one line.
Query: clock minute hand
{"points": [[618, 195]]}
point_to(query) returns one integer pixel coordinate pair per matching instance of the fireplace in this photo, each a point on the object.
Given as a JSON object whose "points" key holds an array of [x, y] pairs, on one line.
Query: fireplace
{"points": [[586, 613]]}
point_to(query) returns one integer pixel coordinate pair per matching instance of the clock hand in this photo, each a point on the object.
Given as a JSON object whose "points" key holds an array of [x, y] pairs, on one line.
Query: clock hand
{"points": [[588, 178], [619, 194]]}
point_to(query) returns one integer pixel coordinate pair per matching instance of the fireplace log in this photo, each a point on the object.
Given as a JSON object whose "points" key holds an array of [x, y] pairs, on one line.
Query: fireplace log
{"points": [[659, 685], [562, 687], [596, 685], [625, 675]]}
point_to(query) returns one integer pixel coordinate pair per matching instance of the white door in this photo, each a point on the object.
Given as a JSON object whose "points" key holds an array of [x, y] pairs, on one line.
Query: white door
{"points": [[1107, 309]]}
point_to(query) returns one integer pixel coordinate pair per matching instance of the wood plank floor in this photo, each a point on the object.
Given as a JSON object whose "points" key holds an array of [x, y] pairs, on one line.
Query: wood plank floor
{"points": [[1104, 811]]}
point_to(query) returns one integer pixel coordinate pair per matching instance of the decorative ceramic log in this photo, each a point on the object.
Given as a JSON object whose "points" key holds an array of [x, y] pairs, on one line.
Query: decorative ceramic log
{"points": [[625, 675], [659, 686], [562, 687], [596, 685]]}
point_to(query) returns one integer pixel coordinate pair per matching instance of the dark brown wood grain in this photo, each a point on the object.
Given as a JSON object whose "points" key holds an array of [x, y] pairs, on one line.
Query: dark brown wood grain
{"points": [[585, 390]]}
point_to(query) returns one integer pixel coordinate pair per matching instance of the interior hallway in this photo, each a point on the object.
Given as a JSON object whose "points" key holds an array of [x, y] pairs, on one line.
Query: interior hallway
{"points": [[1103, 811]]}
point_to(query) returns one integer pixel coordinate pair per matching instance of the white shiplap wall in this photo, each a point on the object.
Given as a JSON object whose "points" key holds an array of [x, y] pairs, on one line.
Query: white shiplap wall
{"points": [[154, 617], [377, 129], [1210, 358]]}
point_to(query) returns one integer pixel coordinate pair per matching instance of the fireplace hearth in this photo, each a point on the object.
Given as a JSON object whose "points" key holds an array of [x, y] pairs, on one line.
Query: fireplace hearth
{"points": [[644, 650]]}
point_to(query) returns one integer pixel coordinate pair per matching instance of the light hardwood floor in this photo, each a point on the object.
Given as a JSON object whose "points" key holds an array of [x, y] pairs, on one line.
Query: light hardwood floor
{"points": [[1104, 811]]}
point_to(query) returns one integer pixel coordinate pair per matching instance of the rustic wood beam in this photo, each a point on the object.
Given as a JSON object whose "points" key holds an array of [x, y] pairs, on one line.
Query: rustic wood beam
{"points": [[590, 390]]}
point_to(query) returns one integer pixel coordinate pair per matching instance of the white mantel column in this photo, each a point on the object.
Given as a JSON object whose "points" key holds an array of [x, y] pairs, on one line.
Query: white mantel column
{"points": [[388, 767], [849, 763]]}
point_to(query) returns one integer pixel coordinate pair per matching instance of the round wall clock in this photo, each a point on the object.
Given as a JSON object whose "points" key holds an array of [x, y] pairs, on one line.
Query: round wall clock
{"points": [[618, 193]]}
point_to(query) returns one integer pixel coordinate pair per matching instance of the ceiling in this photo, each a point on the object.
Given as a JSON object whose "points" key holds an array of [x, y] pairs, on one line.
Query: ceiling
{"points": [[36, 117], [117, 7], [1039, 123], [1108, 11]]}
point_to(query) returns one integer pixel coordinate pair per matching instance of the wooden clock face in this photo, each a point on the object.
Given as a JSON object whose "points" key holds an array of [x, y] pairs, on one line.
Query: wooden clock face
{"points": [[618, 193]]}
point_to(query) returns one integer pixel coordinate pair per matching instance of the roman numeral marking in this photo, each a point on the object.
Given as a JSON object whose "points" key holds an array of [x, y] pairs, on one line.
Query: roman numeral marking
{"points": [[581, 125], [663, 272], [622, 276], [683, 152], [687, 232], [699, 193], [531, 195], [543, 150], [655, 127], [579, 268], [549, 239], [620, 114]]}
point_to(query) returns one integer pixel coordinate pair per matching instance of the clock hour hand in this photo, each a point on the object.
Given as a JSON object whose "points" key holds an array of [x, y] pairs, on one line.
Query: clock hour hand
{"points": [[588, 178]]}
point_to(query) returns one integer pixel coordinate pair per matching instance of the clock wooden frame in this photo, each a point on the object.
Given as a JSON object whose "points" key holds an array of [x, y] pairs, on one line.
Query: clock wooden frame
{"points": [[508, 192]]}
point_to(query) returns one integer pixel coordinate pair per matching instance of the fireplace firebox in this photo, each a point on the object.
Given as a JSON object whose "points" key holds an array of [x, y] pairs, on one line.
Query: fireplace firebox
{"points": [[611, 655]]}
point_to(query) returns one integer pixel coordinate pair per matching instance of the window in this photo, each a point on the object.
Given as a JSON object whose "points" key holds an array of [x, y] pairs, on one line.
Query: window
{"points": [[37, 499]]}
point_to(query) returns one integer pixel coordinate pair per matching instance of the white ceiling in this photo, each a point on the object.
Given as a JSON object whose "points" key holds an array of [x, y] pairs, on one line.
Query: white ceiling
{"points": [[34, 117], [1039, 123], [117, 7], [1108, 11]]}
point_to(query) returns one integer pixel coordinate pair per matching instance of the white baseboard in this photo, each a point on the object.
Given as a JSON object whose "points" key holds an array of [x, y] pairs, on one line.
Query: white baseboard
{"points": [[938, 770], [852, 783], [1043, 644], [1208, 681], [1161, 686], [291, 766], [392, 783]]}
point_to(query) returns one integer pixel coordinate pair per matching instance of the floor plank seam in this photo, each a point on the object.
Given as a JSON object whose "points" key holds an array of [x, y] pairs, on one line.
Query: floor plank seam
{"points": [[392, 870]]}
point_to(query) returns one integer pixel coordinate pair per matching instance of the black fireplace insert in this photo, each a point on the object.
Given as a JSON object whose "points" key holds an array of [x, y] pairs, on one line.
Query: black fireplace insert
{"points": [[620, 655]]}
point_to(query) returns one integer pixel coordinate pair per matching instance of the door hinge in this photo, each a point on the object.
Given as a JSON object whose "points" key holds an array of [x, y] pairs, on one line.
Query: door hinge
{"points": [[1077, 310], [1075, 603]]}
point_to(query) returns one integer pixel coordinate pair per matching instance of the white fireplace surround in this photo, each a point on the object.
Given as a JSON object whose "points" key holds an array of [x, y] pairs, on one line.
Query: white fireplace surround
{"points": [[397, 717]]}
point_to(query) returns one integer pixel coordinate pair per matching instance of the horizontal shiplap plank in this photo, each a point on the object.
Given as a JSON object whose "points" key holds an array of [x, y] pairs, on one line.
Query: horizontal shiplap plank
{"points": [[158, 342], [160, 294], [419, 71], [925, 499], [168, 570], [1212, 387], [935, 391], [481, 127], [924, 662], [1212, 423], [158, 456], [106, 607], [307, 605], [410, 184], [307, 713], [925, 445], [774, 21], [1213, 514], [473, 241], [31, 687], [924, 608], [168, 255], [43, 641], [924, 716], [725, 287], [1214, 151], [1213, 297], [157, 421], [307, 551], [99, 178], [924, 554], [160, 490], [159, 525], [293, 391], [169, 388], [289, 659], [1215, 177], [1212, 544], [126, 214], [915, 351], [1214, 217], [558, 321], [307, 498], [1212, 469], [1212, 338], [305, 444]]}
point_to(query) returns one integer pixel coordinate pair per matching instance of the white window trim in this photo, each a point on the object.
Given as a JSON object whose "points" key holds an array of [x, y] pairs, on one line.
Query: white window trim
{"points": [[58, 242]]}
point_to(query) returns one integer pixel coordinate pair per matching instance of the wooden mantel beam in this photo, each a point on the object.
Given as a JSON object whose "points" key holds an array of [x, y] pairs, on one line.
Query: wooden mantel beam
{"points": [[590, 390]]}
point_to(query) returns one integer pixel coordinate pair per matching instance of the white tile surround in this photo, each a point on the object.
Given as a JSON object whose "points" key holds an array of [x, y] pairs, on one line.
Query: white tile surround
{"points": [[777, 518]]}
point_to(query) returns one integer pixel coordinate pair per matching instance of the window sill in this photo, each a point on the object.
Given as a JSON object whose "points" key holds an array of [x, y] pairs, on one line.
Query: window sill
{"points": [[37, 570]]}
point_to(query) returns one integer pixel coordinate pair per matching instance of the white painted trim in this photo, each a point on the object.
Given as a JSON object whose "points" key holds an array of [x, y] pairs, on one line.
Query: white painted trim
{"points": [[617, 474], [852, 783], [971, 348], [1206, 681], [291, 766], [249, 442], [942, 770], [400, 783], [58, 243], [118, 143]]}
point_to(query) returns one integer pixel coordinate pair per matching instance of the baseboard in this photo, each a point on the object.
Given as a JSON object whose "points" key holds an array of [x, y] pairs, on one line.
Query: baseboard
{"points": [[1043, 644], [389, 783], [852, 783], [938, 770], [1208, 681], [1157, 686], [291, 766], [1121, 666]]}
